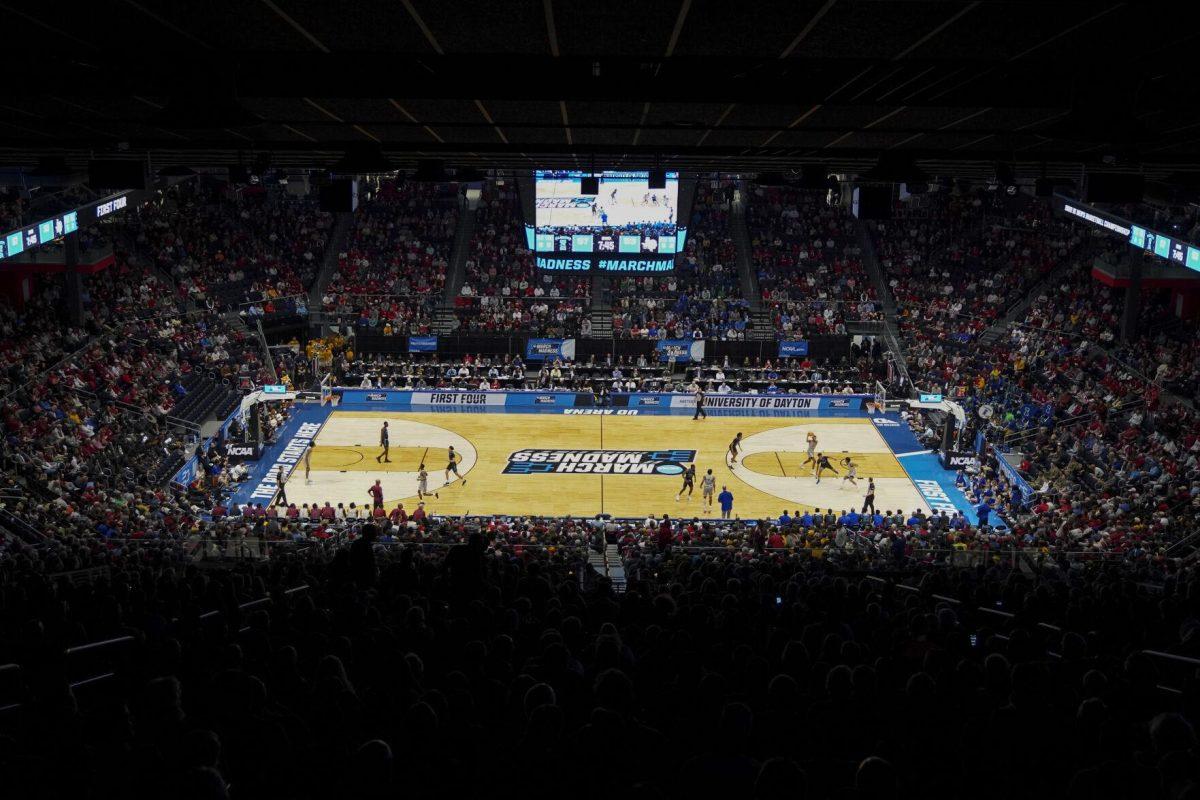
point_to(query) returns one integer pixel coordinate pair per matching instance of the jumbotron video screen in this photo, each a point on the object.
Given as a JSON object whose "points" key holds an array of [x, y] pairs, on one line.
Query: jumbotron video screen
{"points": [[625, 216]]}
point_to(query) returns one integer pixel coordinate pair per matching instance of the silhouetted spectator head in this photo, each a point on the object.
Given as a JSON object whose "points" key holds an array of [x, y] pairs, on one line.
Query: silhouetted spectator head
{"points": [[371, 770], [540, 694], [1172, 732], [875, 778], [614, 691], [202, 748], [202, 783], [780, 779]]}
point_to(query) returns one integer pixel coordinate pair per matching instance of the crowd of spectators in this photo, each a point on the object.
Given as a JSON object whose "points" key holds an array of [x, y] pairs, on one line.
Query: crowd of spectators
{"points": [[1166, 350], [233, 248], [598, 375], [97, 404], [955, 262], [703, 299], [502, 290], [453, 657], [808, 262], [856, 373], [392, 275], [487, 657], [1110, 466]]}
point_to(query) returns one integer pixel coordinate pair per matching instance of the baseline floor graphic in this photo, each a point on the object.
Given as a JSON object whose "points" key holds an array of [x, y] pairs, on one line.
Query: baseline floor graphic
{"points": [[585, 464]]}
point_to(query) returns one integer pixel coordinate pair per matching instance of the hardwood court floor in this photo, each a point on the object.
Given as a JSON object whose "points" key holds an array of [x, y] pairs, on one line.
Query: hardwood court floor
{"points": [[770, 477]]}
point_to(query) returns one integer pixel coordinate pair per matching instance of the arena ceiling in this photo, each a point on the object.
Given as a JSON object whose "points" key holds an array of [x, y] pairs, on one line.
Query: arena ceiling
{"points": [[695, 84]]}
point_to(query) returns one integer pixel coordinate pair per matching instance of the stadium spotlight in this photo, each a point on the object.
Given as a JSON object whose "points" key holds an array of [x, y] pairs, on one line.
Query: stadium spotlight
{"points": [[895, 168], [771, 179], [204, 110], [1006, 178], [468, 175], [365, 159], [176, 171], [50, 167], [816, 176], [1114, 187], [431, 170]]}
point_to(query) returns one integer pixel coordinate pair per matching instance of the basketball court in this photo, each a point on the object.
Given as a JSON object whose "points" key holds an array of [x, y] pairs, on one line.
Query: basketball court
{"points": [[583, 465], [559, 204]]}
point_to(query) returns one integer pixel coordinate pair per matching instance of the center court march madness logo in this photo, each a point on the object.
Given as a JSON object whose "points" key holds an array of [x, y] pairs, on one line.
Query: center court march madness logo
{"points": [[598, 462]]}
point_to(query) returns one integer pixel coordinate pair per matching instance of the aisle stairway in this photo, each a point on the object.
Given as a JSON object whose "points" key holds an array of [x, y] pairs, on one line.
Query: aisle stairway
{"points": [[870, 262], [343, 225], [207, 398], [445, 323], [456, 272], [1017, 310], [601, 323], [616, 568], [740, 234], [762, 326], [610, 565]]}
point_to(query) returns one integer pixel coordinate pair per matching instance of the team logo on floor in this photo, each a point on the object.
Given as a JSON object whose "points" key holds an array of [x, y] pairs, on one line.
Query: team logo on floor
{"points": [[599, 462], [564, 202]]}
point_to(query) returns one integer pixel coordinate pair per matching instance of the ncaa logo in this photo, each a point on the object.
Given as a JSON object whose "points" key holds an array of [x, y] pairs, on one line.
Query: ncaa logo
{"points": [[884, 422]]}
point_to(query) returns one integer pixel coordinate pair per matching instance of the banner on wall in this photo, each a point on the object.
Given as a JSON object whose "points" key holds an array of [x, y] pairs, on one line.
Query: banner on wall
{"points": [[1014, 478], [793, 348], [238, 414], [238, 452], [187, 473], [550, 349], [680, 349], [743, 402], [958, 459], [455, 397], [422, 344], [625, 400]]}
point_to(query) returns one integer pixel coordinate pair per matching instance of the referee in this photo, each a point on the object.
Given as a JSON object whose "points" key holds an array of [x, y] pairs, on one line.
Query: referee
{"points": [[699, 405], [281, 482]]}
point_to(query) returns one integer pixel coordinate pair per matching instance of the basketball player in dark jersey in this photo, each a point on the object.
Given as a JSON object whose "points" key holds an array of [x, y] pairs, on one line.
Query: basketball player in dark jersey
{"points": [[734, 447], [823, 464], [452, 466], [689, 482]]}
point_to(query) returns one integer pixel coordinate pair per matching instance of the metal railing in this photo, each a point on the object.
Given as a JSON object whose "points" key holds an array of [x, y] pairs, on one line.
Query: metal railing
{"points": [[109, 653], [81, 575], [1071, 422], [923, 556], [255, 549], [266, 348], [1188, 666], [339, 233], [66, 358], [900, 360]]}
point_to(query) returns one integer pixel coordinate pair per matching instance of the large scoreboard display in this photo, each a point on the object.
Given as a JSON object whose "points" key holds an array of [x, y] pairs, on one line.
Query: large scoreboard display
{"points": [[619, 225], [14, 243], [1166, 247]]}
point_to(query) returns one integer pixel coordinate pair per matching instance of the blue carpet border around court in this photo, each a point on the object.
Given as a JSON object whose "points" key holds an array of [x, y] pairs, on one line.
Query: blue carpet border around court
{"points": [[301, 427]]}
